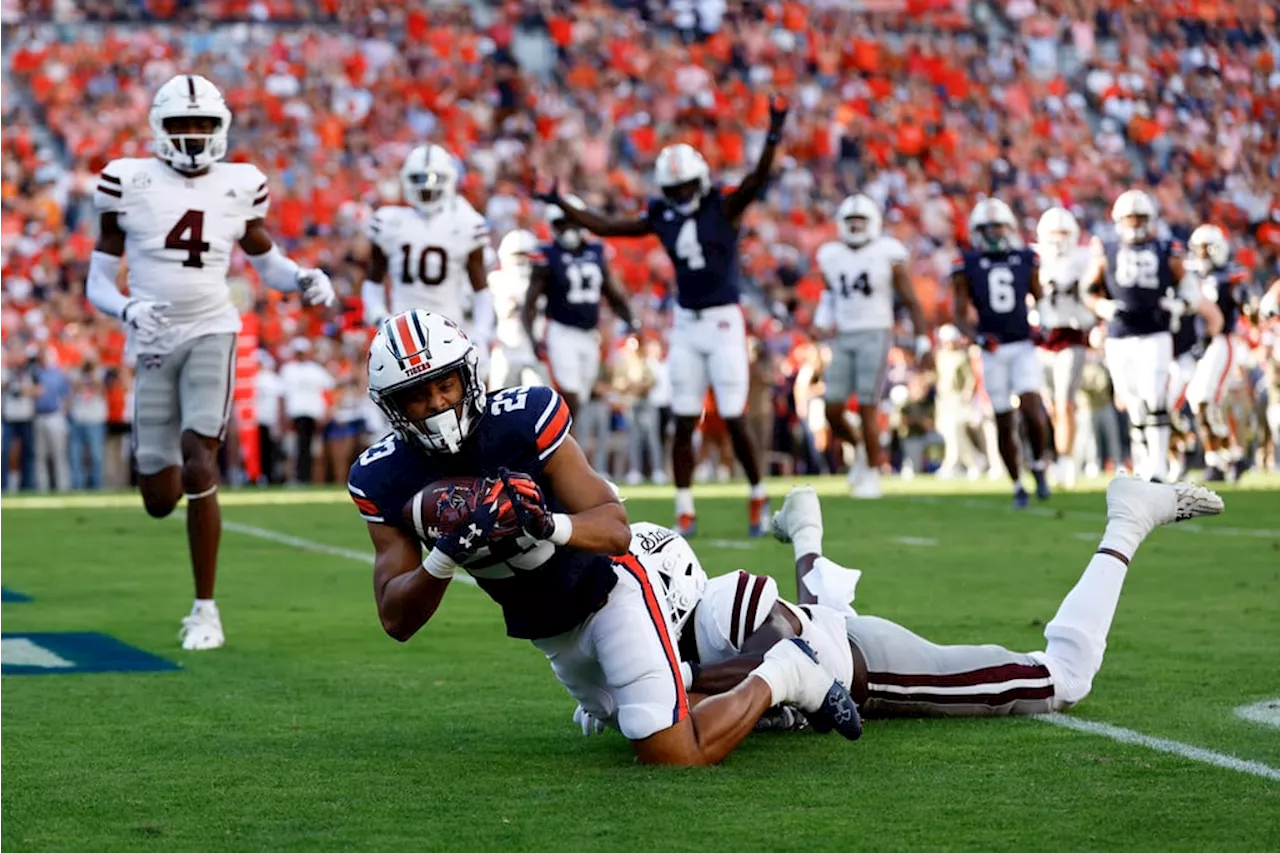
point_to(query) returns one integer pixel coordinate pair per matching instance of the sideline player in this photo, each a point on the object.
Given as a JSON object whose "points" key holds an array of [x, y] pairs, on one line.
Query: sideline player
{"points": [[432, 249], [1128, 284], [1222, 289], [996, 277], [890, 670], [864, 271], [178, 216], [598, 619], [1064, 326], [698, 224], [514, 360], [572, 274]]}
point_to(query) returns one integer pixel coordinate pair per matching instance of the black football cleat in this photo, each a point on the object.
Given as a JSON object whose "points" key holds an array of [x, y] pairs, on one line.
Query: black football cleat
{"points": [[838, 711]]}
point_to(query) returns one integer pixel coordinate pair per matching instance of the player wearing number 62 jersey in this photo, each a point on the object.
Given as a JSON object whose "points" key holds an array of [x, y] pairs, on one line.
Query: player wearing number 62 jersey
{"points": [[1131, 284], [178, 217], [864, 271], [996, 278], [573, 276], [430, 250], [561, 570], [697, 222]]}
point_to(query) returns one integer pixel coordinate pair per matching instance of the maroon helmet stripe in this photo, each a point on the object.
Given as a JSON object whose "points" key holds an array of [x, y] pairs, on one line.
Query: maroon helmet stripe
{"points": [[757, 589], [734, 624]]}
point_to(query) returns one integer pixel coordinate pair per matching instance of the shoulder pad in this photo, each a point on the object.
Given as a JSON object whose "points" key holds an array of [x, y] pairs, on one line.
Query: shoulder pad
{"points": [[372, 476], [536, 415], [116, 178]]}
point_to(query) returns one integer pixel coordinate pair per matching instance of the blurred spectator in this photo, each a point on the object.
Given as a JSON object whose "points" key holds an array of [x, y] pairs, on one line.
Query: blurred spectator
{"points": [[21, 387], [53, 459], [954, 403], [306, 387], [269, 407], [88, 416]]}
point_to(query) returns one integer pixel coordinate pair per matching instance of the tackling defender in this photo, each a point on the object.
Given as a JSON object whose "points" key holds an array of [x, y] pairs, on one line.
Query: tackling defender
{"points": [[598, 618], [698, 224], [179, 216]]}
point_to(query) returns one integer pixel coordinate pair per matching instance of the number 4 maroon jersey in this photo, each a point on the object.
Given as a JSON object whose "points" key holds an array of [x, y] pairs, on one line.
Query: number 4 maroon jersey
{"points": [[180, 232], [544, 590]]}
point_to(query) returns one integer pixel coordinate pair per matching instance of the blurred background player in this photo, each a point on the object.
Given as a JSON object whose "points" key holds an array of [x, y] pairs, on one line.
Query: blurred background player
{"points": [[864, 271], [1127, 284], [178, 216], [698, 224], [1064, 325], [432, 250], [540, 545], [515, 360], [572, 274], [996, 277], [1222, 291]]}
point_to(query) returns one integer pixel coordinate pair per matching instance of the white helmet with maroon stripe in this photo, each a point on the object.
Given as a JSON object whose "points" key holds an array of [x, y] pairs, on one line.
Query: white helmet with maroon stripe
{"points": [[672, 567], [683, 176], [415, 347], [189, 123]]}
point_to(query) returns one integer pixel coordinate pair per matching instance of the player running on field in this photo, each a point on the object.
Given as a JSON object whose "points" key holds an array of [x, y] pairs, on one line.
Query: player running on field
{"points": [[698, 224], [598, 618], [514, 362], [178, 216]]}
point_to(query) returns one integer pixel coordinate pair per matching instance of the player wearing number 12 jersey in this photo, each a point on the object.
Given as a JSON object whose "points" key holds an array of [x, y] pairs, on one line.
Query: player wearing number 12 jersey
{"points": [[178, 217], [430, 250], [996, 277], [697, 223]]}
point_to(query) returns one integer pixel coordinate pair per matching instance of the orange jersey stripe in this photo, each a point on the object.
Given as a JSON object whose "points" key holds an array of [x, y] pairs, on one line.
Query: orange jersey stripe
{"points": [[365, 505], [659, 617], [554, 427]]}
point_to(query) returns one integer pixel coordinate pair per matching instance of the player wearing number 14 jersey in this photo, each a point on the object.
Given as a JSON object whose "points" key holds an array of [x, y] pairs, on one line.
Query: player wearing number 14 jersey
{"points": [[178, 216], [697, 223], [996, 277]]}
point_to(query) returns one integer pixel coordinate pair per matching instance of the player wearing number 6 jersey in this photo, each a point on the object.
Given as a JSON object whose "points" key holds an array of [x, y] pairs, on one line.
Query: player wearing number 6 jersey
{"points": [[430, 250], [1131, 284], [863, 270], [178, 217], [698, 223], [996, 278], [572, 274]]}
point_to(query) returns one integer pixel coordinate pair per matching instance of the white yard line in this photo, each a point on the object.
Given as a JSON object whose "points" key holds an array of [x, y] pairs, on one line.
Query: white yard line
{"points": [[1159, 744], [1266, 712]]}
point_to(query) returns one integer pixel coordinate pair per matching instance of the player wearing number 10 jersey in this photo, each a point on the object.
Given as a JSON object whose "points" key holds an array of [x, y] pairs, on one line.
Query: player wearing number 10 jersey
{"points": [[697, 223], [430, 250], [996, 277], [178, 217]]}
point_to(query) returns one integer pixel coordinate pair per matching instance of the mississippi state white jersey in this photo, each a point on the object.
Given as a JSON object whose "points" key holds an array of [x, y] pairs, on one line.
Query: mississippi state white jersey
{"points": [[180, 232], [1061, 307], [427, 256], [859, 292], [736, 604], [509, 289]]}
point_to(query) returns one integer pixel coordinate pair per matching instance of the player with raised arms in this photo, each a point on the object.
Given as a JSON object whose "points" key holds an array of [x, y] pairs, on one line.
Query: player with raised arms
{"points": [[178, 216], [498, 487], [698, 222]]}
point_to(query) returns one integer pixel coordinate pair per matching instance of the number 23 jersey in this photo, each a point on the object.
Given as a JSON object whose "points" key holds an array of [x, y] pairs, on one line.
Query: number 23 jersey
{"points": [[544, 590], [180, 232], [427, 255]]}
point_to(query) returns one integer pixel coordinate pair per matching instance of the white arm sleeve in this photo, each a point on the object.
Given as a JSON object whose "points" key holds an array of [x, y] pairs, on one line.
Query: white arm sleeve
{"points": [[824, 317], [374, 297], [482, 318], [276, 271], [100, 286]]}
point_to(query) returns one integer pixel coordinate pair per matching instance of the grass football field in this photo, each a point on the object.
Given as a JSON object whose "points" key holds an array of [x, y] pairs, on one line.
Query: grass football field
{"points": [[311, 730]]}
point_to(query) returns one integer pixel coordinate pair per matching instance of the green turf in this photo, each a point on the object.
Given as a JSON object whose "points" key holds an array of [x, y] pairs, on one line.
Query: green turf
{"points": [[313, 731]]}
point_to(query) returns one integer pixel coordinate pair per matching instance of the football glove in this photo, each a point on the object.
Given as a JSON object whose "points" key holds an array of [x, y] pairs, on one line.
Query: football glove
{"points": [[987, 342], [493, 521], [145, 317], [551, 196], [316, 287], [778, 107], [1105, 308], [590, 725], [531, 507]]}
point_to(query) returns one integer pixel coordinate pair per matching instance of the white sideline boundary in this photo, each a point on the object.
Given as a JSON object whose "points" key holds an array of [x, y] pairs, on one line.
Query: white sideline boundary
{"points": [[1116, 733]]}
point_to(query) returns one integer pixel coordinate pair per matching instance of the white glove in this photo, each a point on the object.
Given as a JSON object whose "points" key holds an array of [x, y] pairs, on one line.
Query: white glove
{"points": [[146, 318], [1105, 308], [316, 287], [1175, 306], [590, 725]]}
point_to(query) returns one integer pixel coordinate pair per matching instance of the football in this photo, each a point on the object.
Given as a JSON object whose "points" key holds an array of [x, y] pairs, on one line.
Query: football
{"points": [[443, 505]]}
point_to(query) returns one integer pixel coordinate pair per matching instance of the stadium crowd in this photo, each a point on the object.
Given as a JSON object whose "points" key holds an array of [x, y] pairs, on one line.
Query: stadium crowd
{"points": [[921, 104]]}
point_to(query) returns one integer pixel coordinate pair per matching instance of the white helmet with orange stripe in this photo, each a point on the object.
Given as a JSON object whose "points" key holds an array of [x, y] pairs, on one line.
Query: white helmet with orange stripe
{"points": [[683, 176], [424, 375], [673, 569]]}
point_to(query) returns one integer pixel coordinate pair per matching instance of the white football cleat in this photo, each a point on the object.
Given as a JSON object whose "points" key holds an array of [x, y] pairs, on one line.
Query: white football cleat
{"points": [[202, 630], [800, 509], [1149, 505], [868, 487]]}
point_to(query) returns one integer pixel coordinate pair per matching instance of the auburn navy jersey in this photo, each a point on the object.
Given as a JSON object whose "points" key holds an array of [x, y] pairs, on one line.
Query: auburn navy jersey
{"points": [[544, 590], [1138, 278], [703, 245], [999, 283], [1225, 286], [575, 282]]}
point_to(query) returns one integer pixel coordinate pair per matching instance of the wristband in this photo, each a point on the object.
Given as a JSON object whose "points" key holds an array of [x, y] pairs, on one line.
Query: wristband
{"points": [[439, 565], [563, 530]]}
